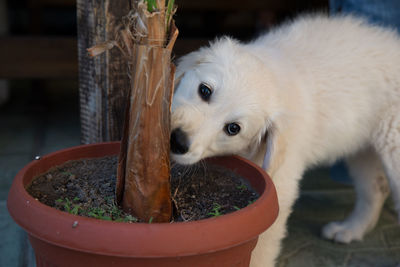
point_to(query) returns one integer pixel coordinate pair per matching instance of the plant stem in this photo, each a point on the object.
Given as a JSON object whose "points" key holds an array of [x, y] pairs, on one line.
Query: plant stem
{"points": [[170, 8]]}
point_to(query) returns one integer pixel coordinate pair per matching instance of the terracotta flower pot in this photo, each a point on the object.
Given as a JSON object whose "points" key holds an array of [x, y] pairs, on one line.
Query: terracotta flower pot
{"points": [[62, 239]]}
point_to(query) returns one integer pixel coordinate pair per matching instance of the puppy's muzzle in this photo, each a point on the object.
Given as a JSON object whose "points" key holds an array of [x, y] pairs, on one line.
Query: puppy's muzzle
{"points": [[179, 142]]}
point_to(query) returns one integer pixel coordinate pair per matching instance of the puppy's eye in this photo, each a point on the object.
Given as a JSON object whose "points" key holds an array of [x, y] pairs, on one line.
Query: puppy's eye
{"points": [[232, 129], [205, 91]]}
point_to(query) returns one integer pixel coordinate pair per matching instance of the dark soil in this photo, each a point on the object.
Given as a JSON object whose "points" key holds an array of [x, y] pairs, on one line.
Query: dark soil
{"points": [[86, 187]]}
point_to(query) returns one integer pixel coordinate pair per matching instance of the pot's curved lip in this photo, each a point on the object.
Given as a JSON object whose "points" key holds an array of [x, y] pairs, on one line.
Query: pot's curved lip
{"points": [[138, 239]]}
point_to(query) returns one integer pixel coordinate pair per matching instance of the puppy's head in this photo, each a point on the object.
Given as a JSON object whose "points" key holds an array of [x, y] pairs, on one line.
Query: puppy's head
{"points": [[222, 104]]}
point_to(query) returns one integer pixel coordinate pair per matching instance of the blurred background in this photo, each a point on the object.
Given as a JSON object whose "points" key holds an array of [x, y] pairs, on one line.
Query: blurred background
{"points": [[39, 113], [38, 37], [39, 54]]}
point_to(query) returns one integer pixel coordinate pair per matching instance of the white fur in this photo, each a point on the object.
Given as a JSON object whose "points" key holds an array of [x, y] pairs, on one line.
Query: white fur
{"points": [[311, 92]]}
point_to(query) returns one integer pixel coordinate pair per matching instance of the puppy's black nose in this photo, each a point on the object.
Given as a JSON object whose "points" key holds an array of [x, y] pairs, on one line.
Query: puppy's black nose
{"points": [[179, 141]]}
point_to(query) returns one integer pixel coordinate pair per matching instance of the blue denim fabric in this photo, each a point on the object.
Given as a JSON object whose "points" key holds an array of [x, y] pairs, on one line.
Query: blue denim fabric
{"points": [[380, 12]]}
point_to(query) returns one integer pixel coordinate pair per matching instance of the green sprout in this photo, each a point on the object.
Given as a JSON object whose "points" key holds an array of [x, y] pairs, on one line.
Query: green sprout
{"points": [[216, 211], [152, 7], [241, 187], [108, 212], [251, 202], [99, 213], [69, 206], [170, 9], [130, 218]]}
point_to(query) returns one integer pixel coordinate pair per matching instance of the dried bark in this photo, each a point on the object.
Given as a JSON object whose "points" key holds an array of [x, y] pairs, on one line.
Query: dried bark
{"points": [[143, 168], [143, 185], [143, 176]]}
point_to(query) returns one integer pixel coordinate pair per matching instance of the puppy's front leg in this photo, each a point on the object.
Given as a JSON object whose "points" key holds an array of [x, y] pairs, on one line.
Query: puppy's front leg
{"points": [[286, 180], [269, 243]]}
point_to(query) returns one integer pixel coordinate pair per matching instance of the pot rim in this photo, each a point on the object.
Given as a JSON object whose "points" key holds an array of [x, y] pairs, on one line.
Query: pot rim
{"points": [[135, 239]]}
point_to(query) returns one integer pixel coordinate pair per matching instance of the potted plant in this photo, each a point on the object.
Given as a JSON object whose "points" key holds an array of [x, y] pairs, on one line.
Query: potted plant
{"points": [[62, 239]]}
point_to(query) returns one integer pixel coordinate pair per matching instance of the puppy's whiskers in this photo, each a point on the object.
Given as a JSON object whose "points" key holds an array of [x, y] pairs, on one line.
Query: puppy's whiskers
{"points": [[203, 164]]}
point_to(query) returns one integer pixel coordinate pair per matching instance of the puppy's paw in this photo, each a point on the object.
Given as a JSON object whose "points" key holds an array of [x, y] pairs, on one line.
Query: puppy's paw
{"points": [[341, 232]]}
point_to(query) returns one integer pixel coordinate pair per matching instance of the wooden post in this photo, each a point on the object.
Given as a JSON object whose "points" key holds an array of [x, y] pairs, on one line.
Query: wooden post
{"points": [[103, 80]]}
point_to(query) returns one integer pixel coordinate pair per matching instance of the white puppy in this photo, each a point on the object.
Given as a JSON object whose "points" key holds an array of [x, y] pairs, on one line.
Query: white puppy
{"points": [[310, 92]]}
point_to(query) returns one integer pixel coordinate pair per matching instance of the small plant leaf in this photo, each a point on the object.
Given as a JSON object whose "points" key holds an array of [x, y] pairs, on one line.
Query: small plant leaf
{"points": [[241, 187], [75, 210], [252, 201], [151, 5], [216, 211], [130, 218]]}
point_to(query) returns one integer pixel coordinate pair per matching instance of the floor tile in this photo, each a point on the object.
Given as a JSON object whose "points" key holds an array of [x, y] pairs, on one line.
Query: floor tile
{"points": [[9, 167], [14, 250]]}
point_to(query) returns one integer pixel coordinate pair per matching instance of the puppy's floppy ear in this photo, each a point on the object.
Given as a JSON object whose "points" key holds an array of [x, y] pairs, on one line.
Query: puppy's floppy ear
{"points": [[266, 139], [268, 152], [275, 149]]}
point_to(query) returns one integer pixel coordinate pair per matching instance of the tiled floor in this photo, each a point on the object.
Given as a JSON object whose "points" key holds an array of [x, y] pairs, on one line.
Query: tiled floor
{"points": [[327, 202], [36, 122]]}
